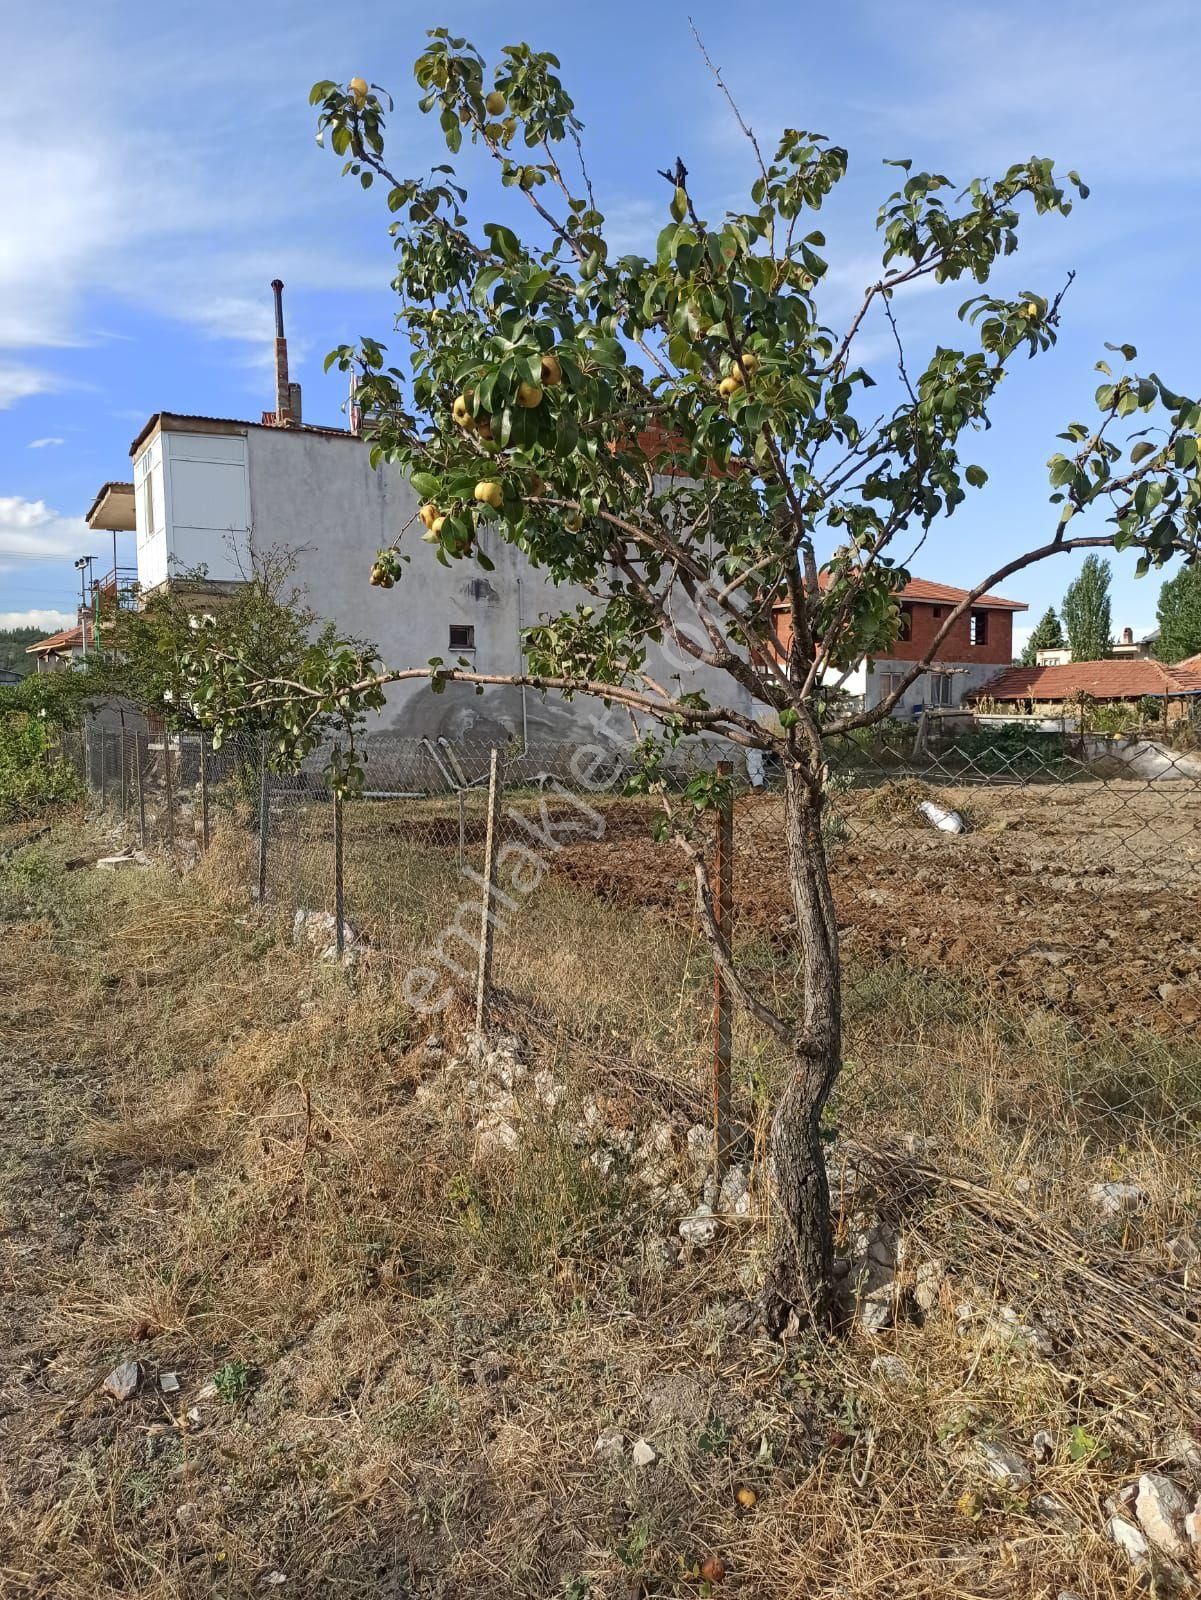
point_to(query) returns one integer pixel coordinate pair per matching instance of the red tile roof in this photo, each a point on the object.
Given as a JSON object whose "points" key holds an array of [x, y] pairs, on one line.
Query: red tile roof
{"points": [[1120, 679], [67, 640], [938, 594], [943, 594]]}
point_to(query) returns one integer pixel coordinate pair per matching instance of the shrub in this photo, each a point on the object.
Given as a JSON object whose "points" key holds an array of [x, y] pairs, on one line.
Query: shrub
{"points": [[32, 774]]}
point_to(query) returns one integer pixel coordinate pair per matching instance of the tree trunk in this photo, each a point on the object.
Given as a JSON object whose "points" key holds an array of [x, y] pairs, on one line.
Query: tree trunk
{"points": [[799, 1280]]}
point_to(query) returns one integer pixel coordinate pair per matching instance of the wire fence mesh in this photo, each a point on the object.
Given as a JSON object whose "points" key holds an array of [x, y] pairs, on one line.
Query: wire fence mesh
{"points": [[1018, 910]]}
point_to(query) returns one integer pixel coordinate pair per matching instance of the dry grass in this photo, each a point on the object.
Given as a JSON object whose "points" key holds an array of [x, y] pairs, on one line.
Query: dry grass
{"points": [[214, 1152]]}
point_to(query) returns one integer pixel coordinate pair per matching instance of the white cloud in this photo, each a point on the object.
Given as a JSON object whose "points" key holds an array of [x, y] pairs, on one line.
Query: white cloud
{"points": [[190, 225], [30, 530], [44, 444], [20, 382], [50, 621]]}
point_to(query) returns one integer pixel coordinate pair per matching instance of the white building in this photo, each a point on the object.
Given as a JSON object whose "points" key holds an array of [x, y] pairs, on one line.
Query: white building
{"points": [[211, 492]]}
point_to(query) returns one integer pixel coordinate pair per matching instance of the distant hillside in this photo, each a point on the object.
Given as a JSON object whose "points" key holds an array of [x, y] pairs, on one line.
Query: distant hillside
{"points": [[12, 646]]}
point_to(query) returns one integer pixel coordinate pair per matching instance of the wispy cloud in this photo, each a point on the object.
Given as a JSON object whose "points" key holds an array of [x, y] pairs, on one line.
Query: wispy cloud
{"points": [[31, 530], [189, 228], [44, 444], [19, 382]]}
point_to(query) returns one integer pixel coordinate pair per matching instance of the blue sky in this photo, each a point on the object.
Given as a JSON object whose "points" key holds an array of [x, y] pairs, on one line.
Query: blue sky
{"points": [[157, 169]]}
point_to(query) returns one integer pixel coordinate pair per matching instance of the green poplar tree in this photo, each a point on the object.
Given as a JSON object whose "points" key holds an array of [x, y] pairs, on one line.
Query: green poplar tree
{"points": [[1047, 635], [1179, 616], [1086, 612]]}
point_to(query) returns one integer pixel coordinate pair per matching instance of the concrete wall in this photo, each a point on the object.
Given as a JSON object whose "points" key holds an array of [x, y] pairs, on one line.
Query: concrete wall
{"points": [[318, 495], [966, 676]]}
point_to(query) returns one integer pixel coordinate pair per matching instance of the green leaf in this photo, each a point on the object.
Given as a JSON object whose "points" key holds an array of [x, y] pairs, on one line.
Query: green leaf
{"points": [[425, 484], [1142, 450], [977, 477]]}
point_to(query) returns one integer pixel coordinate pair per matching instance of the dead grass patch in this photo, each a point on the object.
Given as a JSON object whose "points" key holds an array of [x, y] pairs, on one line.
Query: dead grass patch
{"points": [[232, 1158]]}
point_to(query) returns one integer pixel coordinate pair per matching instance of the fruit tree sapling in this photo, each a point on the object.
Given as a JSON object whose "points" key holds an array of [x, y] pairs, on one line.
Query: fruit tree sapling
{"points": [[682, 434]]}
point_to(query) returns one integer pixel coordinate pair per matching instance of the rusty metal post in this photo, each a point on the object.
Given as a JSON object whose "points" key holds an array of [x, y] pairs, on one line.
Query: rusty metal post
{"points": [[339, 885], [487, 919], [264, 819], [122, 765], [138, 758], [169, 787], [204, 792], [723, 915]]}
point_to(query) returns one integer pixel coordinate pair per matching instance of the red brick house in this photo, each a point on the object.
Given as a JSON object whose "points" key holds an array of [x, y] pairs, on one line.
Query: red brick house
{"points": [[979, 642]]}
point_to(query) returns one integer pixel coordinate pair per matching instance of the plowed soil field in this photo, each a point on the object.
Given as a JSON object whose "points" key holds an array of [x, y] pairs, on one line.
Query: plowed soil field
{"points": [[1085, 897]]}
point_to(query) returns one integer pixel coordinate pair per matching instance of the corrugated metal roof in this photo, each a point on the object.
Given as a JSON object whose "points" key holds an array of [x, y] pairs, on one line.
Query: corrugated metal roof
{"points": [[1105, 680]]}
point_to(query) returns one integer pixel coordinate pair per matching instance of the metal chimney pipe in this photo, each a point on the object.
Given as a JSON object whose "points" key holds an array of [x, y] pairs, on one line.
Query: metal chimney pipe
{"points": [[283, 397]]}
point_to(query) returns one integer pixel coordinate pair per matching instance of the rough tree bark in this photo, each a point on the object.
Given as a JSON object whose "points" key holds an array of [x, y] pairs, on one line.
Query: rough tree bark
{"points": [[800, 1276]]}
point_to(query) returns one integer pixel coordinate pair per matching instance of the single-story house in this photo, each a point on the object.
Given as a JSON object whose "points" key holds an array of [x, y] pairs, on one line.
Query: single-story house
{"points": [[60, 649], [1118, 679]]}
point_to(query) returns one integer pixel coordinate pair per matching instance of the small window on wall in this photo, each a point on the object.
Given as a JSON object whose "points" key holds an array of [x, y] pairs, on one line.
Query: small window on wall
{"points": [[979, 627], [890, 682], [462, 636]]}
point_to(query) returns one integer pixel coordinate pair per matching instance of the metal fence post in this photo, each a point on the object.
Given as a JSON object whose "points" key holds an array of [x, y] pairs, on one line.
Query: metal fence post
{"points": [[168, 785], [339, 887], [103, 767], [723, 915], [264, 819], [484, 981], [121, 770], [462, 829], [204, 792], [138, 758]]}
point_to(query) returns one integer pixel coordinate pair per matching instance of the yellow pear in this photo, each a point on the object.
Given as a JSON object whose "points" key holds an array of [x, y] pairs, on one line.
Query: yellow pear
{"points": [[483, 426], [495, 104], [462, 410], [749, 366], [552, 372], [490, 493], [436, 529], [729, 386], [427, 513], [529, 395], [358, 88]]}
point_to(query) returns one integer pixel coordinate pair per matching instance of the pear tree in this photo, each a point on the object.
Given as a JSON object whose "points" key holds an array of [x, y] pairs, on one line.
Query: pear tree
{"points": [[686, 436]]}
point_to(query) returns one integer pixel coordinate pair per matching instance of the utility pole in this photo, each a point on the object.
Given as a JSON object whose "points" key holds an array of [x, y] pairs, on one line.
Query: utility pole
{"points": [[83, 566]]}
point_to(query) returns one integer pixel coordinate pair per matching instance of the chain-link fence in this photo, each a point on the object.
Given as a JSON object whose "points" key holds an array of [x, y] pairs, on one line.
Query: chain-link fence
{"points": [[1018, 909]]}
